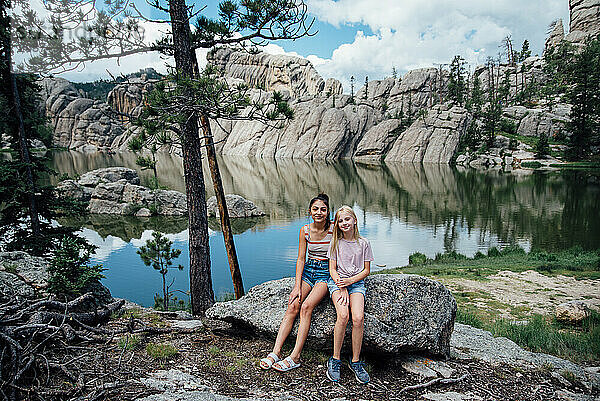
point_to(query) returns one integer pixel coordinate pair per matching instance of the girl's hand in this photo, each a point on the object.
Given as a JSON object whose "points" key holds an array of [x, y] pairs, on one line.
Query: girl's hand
{"points": [[344, 297], [296, 294], [342, 282]]}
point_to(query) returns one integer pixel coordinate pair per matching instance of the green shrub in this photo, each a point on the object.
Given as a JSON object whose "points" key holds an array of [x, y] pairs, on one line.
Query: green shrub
{"points": [[417, 259], [478, 255], [508, 126], [493, 252], [69, 272]]}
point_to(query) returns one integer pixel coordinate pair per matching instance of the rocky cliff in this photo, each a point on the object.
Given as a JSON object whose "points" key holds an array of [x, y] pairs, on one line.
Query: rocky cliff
{"points": [[585, 20], [79, 123], [273, 72]]}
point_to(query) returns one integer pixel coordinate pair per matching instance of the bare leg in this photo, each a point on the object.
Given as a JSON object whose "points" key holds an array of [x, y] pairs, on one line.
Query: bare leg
{"points": [[340, 324], [288, 320], [306, 310], [357, 309]]}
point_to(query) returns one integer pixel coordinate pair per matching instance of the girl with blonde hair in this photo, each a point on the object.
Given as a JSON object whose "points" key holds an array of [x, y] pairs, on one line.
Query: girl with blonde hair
{"points": [[350, 258]]}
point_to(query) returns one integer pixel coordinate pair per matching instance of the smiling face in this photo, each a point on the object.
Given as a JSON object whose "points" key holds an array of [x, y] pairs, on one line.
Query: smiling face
{"points": [[319, 211], [345, 221]]}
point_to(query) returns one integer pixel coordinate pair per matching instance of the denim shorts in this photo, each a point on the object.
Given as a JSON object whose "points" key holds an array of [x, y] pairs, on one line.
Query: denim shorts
{"points": [[359, 286], [315, 271]]}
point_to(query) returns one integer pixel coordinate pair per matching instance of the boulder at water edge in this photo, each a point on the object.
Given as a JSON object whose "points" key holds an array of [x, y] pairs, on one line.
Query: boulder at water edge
{"points": [[237, 206], [403, 313]]}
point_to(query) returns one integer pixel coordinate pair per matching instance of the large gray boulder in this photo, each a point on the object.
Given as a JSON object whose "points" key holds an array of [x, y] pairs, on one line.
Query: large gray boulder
{"points": [[237, 206], [377, 141], [116, 190], [403, 313], [432, 139]]}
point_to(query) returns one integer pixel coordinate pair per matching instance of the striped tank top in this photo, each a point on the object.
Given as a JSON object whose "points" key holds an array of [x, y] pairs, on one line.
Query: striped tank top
{"points": [[317, 249]]}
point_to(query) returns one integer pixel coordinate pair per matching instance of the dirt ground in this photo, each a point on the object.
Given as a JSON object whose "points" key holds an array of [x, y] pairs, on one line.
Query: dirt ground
{"points": [[227, 361], [517, 294]]}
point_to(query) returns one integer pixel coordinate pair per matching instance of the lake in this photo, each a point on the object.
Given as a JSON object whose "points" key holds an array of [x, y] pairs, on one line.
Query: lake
{"points": [[402, 209]]}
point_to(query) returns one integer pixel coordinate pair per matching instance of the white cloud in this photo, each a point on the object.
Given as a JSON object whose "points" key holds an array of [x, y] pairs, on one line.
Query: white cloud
{"points": [[416, 33]]}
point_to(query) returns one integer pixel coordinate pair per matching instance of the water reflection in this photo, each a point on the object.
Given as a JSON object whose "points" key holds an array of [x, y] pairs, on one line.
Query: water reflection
{"points": [[401, 209], [546, 210]]}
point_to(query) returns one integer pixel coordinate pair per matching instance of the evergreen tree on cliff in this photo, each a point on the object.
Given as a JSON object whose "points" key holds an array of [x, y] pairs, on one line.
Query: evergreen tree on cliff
{"points": [[584, 95], [117, 34]]}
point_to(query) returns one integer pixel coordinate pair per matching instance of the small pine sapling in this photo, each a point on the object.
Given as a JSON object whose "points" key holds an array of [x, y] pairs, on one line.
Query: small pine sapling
{"points": [[158, 253]]}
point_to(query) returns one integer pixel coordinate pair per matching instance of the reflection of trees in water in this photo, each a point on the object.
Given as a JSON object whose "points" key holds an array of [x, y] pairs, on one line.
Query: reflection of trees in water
{"points": [[239, 225], [126, 227], [550, 209]]}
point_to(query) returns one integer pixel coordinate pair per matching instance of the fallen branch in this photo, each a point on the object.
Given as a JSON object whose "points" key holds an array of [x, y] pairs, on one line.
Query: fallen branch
{"points": [[434, 381]]}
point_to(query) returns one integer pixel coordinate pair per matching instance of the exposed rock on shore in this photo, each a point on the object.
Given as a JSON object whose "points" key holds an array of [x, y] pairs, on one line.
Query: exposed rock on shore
{"points": [[237, 206], [403, 313], [116, 190]]}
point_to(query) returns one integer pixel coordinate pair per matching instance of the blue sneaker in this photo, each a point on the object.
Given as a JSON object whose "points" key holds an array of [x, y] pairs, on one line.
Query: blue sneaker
{"points": [[333, 369], [359, 372]]}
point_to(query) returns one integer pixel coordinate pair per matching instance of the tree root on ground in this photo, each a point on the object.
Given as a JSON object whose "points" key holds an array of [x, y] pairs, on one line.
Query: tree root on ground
{"points": [[43, 340]]}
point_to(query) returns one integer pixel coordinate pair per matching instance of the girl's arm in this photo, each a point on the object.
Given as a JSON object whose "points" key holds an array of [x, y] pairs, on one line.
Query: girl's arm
{"points": [[357, 277], [297, 290], [333, 270]]}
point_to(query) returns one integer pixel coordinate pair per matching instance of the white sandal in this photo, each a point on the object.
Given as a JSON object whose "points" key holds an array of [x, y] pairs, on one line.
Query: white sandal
{"points": [[281, 366], [267, 363]]}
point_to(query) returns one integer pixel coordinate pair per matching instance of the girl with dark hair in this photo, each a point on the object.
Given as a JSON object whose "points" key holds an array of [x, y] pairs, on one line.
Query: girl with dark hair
{"points": [[312, 274]]}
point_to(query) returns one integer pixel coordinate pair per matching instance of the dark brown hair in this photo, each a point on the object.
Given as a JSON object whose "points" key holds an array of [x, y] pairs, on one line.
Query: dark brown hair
{"points": [[325, 199]]}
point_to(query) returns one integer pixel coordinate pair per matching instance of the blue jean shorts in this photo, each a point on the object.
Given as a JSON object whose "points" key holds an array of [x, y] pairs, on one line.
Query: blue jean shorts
{"points": [[316, 271], [359, 286]]}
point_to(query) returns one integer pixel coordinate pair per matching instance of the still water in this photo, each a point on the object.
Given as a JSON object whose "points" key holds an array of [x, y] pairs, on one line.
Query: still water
{"points": [[402, 208]]}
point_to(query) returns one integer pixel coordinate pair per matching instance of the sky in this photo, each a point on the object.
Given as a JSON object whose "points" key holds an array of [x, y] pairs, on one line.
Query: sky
{"points": [[367, 38]]}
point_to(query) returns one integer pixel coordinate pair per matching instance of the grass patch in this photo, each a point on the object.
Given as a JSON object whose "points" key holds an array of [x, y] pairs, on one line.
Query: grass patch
{"points": [[531, 164], [532, 141], [574, 262], [578, 165], [543, 334], [128, 342], [161, 350], [214, 351], [10, 268], [135, 313]]}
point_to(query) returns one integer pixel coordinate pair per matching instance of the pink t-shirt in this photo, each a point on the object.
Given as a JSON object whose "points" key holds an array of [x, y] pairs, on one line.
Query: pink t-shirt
{"points": [[350, 257]]}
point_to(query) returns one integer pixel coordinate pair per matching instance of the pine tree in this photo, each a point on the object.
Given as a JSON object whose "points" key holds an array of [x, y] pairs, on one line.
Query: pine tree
{"points": [[249, 23], [584, 95], [158, 253], [457, 83], [352, 89], [365, 96]]}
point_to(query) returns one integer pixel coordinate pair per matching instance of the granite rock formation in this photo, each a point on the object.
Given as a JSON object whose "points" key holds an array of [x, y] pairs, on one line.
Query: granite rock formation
{"points": [[236, 206], [537, 122], [272, 72], [26, 276], [116, 190], [403, 313], [584, 20], [79, 123], [433, 138]]}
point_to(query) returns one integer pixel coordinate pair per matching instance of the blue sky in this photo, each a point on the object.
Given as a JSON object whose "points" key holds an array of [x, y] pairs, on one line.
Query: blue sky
{"points": [[367, 38]]}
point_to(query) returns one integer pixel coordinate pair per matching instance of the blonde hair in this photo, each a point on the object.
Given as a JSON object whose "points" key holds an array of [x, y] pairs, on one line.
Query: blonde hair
{"points": [[337, 231]]}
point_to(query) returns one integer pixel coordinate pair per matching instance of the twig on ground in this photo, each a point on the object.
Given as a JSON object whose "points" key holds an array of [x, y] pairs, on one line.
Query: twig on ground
{"points": [[432, 382]]}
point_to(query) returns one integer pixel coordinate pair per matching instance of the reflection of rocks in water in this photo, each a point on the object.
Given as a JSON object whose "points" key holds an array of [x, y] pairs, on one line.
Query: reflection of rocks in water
{"points": [[550, 209], [127, 227], [239, 226]]}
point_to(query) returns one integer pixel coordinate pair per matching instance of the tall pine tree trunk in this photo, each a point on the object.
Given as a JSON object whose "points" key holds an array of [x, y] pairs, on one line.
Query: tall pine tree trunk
{"points": [[201, 292], [13, 95], [211, 155]]}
